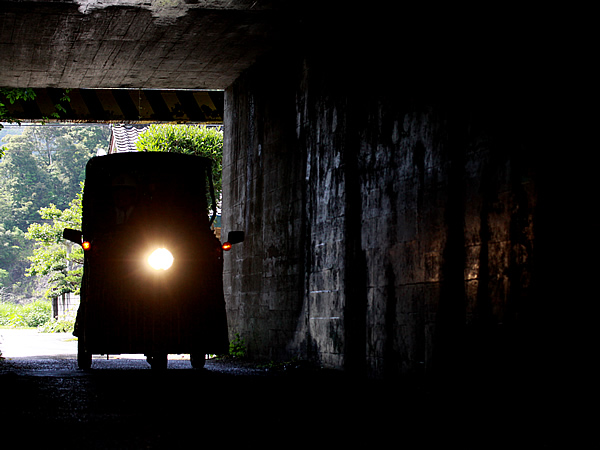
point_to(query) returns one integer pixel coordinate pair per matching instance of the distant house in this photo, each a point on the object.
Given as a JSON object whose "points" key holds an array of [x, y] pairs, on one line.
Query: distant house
{"points": [[124, 137]]}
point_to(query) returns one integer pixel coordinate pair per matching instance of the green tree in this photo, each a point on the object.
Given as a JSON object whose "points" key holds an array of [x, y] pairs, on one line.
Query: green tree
{"points": [[188, 139], [14, 250], [26, 186], [77, 145], [52, 255], [12, 95], [42, 165]]}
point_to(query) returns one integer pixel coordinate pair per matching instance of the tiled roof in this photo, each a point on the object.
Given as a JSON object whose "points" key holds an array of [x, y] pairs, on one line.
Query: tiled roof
{"points": [[124, 138]]}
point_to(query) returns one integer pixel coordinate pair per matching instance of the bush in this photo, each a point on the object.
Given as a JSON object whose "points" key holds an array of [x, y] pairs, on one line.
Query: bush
{"points": [[10, 315], [188, 139], [30, 315], [65, 325], [37, 313]]}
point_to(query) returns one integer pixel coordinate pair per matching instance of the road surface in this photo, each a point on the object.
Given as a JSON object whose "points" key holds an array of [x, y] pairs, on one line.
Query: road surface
{"points": [[124, 404], [27, 343]]}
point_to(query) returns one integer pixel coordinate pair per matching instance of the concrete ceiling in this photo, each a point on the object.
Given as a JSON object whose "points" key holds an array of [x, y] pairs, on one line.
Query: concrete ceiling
{"points": [[157, 44]]}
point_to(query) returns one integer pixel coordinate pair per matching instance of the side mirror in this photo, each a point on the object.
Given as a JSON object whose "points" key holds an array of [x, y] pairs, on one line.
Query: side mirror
{"points": [[72, 235], [235, 237]]}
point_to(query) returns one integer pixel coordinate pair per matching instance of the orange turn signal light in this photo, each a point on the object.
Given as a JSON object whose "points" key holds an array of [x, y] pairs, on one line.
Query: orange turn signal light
{"points": [[86, 245], [226, 246]]}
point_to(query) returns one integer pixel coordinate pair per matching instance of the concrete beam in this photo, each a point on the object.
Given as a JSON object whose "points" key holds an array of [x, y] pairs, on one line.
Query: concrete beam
{"points": [[131, 44], [121, 106]]}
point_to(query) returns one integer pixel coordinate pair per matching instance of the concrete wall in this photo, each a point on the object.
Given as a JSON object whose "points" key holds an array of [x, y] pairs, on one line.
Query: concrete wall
{"points": [[389, 230], [265, 197]]}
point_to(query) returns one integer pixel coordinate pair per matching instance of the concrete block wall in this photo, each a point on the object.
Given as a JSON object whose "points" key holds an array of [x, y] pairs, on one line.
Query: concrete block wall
{"points": [[265, 198], [387, 233]]}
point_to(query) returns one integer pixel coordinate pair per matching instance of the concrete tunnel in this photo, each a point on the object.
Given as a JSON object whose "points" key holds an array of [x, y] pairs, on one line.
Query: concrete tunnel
{"points": [[387, 167]]}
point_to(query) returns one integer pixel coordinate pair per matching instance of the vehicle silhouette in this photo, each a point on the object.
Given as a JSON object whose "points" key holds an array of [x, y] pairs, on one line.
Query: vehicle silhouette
{"points": [[152, 277]]}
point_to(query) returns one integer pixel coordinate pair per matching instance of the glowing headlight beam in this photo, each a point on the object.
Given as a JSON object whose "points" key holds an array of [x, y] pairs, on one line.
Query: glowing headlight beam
{"points": [[160, 259]]}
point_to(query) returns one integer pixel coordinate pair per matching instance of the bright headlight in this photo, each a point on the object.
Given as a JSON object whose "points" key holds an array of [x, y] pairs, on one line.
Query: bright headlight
{"points": [[160, 259]]}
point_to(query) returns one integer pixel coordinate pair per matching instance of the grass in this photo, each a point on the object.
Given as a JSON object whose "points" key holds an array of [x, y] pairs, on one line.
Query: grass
{"points": [[30, 315]]}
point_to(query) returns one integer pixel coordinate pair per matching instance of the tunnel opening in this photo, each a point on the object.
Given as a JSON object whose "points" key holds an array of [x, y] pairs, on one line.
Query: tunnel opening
{"points": [[65, 304]]}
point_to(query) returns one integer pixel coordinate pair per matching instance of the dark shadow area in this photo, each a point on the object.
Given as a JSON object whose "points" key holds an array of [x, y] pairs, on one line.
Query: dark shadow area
{"points": [[125, 404]]}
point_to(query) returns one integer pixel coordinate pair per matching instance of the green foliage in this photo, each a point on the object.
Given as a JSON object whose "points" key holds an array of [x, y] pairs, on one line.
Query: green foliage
{"points": [[61, 105], [237, 347], [9, 314], [188, 139], [44, 165], [27, 94], [10, 242], [12, 95], [64, 325], [13, 248], [32, 314], [37, 313], [42, 170], [51, 255]]}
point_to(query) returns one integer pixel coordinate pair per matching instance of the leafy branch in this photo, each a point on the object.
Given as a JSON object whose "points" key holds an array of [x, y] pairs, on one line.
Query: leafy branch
{"points": [[12, 95], [50, 256], [60, 108]]}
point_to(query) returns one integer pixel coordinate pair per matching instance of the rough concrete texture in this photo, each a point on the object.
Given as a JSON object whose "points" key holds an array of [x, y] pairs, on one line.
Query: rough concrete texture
{"points": [[390, 233], [132, 44]]}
